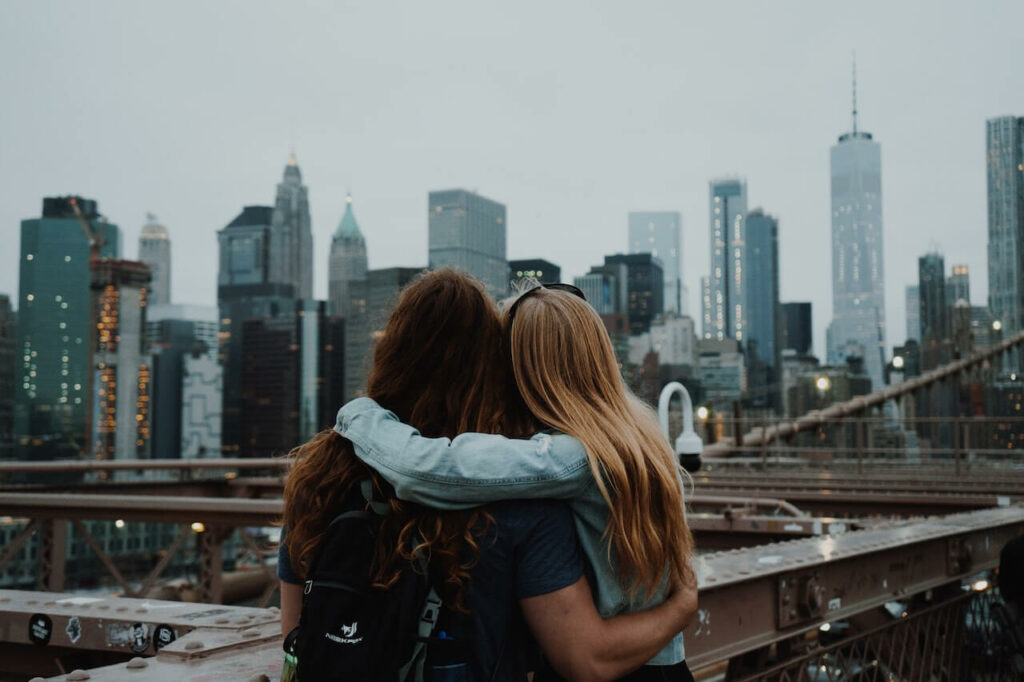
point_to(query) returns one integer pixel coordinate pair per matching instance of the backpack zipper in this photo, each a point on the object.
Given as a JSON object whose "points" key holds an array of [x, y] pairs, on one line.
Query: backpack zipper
{"points": [[328, 583]]}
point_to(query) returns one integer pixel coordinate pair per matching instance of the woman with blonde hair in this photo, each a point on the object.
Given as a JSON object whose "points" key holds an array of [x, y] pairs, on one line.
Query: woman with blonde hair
{"points": [[607, 457]]}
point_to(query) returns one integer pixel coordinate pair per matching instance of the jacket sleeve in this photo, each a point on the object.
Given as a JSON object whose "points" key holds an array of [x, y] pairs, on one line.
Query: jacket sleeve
{"points": [[467, 471]]}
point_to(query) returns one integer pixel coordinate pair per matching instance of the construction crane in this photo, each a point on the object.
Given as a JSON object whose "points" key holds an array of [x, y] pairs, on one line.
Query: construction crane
{"points": [[95, 244], [95, 240]]}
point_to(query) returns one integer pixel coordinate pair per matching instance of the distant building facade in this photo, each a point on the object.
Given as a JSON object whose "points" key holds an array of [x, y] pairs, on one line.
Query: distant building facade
{"points": [[1004, 154], [246, 291], [292, 378], [644, 288], [674, 338], [537, 268], [762, 337], [291, 249], [469, 232], [183, 343], [660, 233], [935, 324], [8, 342], [723, 292], [155, 251], [958, 285], [858, 266], [54, 358], [122, 419], [913, 303], [380, 290], [797, 331], [606, 288], [723, 371], [347, 264]]}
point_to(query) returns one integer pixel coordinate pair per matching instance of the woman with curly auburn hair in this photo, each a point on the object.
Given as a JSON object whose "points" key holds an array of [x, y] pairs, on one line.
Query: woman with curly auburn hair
{"points": [[608, 459], [441, 366]]}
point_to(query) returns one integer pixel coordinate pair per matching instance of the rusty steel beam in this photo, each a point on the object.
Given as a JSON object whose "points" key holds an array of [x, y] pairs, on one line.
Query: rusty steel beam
{"points": [[183, 633], [846, 503], [859, 404], [90, 465], [754, 597], [749, 599], [228, 512]]}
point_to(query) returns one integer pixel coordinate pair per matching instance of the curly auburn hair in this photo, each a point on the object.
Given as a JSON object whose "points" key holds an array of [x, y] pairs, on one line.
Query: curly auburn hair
{"points": [[441, 367]]}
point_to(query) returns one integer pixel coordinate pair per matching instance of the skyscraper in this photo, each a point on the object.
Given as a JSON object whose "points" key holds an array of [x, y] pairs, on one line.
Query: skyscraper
{"points": [[122, 419], [347, 264], [468, 231], [53, 355], [858, 272], [644, 288], [762, 333], [8, 339], [291, 249], [1004, 138], [660, 233], [958, 285], [606, 288], [177, 335], [935, 322], [246, 290], [155, 251], [380, 291], [913, 304], [291, 379], [796, 327], [724, 314]]}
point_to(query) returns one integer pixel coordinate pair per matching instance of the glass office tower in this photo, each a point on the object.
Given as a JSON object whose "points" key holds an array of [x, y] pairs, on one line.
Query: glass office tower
{"points": [[722, 294], [53, 354], [660, 233], [1004, 154], [468, 231], [858, 269]]}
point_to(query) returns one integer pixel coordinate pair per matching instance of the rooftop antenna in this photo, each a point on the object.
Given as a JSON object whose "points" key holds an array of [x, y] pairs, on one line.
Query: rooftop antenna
{"points": [[854, 93]]}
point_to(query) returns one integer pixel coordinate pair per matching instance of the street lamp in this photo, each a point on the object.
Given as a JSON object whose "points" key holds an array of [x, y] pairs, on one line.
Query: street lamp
{"points": [[823, 383], [997, 325], [897, 362], [688, 444]]}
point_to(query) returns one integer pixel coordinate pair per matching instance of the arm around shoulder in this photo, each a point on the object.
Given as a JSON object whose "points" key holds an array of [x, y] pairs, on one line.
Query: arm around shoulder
{"points": [[472, 469], [581, 646]]}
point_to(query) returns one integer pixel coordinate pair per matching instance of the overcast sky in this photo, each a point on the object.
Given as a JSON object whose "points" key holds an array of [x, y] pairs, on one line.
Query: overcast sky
{"points": [[570, 113]]}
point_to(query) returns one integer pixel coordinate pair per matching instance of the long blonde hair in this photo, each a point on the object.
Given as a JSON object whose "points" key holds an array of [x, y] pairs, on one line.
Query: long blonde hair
{"points": [[569, 378]]}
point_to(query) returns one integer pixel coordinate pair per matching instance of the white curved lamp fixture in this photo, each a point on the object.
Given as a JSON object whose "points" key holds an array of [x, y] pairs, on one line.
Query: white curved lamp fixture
{"points": [[688, 445]]}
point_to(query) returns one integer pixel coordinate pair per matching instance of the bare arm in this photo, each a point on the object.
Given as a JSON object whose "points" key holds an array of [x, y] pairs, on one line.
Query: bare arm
{"points": [[582, 646], [291, 606]]}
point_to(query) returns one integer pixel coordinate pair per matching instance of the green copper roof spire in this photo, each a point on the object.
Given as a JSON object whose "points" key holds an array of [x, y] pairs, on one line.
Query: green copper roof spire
{"points": [[348, 227]]}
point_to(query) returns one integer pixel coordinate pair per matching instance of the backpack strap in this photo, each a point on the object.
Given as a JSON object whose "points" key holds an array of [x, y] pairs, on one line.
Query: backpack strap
{"points": [[428, 619], [378, 507]]}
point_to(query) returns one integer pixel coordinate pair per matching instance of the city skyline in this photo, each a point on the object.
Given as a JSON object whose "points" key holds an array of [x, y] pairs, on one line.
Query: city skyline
{"points": [[568, 192]]}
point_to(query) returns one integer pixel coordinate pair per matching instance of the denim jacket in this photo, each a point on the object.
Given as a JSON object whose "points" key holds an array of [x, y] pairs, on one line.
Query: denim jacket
{"points": [[475, 468]]}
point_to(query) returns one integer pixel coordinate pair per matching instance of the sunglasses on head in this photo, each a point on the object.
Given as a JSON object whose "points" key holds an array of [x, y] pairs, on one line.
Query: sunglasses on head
{"points": [[556, 286]]}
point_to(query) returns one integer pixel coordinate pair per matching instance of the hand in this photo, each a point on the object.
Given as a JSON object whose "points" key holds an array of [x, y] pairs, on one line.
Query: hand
{"points": [[682, 599]]}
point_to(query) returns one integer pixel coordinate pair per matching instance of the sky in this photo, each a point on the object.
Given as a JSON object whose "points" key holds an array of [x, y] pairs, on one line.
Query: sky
{"points": [[570, 113]]}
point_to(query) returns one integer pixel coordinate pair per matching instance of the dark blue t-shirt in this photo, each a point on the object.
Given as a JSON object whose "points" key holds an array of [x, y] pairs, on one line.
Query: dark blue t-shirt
{"points": [[529, 550]]}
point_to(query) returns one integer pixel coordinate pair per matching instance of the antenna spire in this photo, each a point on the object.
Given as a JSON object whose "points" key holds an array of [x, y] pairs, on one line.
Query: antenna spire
{"points": [[855, 93]]}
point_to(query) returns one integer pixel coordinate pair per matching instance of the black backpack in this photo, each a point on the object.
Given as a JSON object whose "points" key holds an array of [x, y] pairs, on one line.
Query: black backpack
{"points": [[350, 630]]}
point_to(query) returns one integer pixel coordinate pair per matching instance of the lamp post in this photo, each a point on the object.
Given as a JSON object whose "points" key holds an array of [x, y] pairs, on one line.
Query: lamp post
{"points": [[997, 337], [688, 445]]}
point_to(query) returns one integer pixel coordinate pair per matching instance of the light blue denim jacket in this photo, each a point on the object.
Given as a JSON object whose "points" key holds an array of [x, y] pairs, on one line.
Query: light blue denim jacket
{"points": [[476, 468]]}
